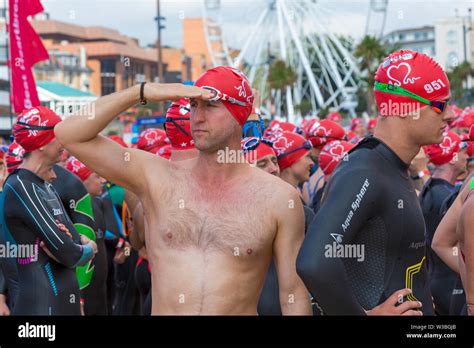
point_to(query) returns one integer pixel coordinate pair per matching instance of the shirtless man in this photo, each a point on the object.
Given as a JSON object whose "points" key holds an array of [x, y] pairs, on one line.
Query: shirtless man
{"points": [[205, 236]]}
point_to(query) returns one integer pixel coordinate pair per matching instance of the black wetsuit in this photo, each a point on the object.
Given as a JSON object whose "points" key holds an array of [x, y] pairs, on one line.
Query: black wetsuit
{"points": [[8, 268], [3, 284], [95, 295], [29, 208], [79, 207], [442, 278], [143, 282], [112, 238], [269, 302], [367, 240], [458, 296], [126, 299], [316, 202]]}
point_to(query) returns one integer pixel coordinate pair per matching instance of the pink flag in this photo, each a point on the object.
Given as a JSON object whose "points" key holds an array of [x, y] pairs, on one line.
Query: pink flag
{"points": [[26, 49]]}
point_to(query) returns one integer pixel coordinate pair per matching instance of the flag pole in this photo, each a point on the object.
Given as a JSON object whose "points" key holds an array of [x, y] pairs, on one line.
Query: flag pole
{"points": [[7, 47]]}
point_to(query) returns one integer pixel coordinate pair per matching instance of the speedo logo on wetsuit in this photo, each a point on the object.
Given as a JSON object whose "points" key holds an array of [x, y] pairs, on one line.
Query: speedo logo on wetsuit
{"points": [[355, 205], [339, 250], [37, 331]]}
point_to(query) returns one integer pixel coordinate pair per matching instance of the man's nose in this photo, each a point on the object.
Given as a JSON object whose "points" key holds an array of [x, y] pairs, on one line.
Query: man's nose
{"points": [[273, 168], [449, 114], [197, 114]]}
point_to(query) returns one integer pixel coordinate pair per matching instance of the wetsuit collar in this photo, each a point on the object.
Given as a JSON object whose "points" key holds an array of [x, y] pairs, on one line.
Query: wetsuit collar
{"points": [[29, 174], [373, 142]]}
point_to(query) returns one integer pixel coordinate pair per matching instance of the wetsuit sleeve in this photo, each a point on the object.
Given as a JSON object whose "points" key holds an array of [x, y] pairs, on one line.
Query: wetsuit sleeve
{"points": [[348, 204], [3, 283], [32, 211]]}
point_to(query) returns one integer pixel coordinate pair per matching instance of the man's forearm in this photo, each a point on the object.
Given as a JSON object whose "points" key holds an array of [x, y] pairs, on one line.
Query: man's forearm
{"points": [[296, 302], [448, 254], [104, 110]]}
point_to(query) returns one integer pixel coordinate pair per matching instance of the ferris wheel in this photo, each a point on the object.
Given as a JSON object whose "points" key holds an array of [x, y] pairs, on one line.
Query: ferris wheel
{"points": [[376, 18], [296, 32]]}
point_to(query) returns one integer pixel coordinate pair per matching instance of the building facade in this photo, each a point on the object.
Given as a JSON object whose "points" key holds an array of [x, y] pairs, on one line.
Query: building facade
{"points": [[417, 39], [454, 42]]}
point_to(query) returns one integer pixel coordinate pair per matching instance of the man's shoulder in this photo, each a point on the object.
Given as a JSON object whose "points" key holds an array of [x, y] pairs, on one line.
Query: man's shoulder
{"points": [[270, 181], [16, 180]]}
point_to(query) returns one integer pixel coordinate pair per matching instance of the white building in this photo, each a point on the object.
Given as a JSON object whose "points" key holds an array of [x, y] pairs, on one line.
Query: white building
{"points": [[452, 46], [417, 39]]}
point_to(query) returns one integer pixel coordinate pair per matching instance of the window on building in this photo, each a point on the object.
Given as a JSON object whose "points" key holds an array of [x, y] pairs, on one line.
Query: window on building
{"points": [[138, 73], [401, 37], [452, 37], [107, 76], [453, 59]]}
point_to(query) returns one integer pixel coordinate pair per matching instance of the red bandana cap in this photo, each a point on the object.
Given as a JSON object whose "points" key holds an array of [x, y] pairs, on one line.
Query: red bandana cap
{"points": [[415, 72], [332, 154], [234, 84], [293, 142], [178, 126], [334, 116], [152, 139], [356, 122], [35, 127], [118, 139], [257, 154], [440, 154], [14, 157], [371, 124], [164, 151], [322, 132], [78, 168]]}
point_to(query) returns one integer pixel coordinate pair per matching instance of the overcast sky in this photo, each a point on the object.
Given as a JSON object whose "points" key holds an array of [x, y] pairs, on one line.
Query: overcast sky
{"points": [[135, 17]]}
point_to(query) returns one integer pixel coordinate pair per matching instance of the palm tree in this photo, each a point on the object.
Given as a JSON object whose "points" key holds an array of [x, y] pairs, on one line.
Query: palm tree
{"points": [[370, 51], [280, 77], [457, 76]]}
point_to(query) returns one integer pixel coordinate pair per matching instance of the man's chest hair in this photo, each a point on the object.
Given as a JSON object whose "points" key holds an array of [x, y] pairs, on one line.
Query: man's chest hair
{"points": [[232, 222]]}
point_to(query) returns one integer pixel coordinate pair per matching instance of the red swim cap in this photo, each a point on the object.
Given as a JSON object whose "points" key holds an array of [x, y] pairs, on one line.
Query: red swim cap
{"points": [[466, 119], [35, 127], [78, 168], [177, 125], [332, 154], [283, 126], [440, 154], [152, 139], [334, 116], [356, 122], [261, 150], [323, 132], [371, 124], [14, 157], [164, 151], [415, 72], [289, 148], [118, 139], [232, 88]]}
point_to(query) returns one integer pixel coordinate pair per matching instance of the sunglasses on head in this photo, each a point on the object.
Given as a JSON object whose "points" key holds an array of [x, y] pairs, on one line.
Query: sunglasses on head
{"points": [[253, 142], [307, 145], [218, 95], [437, 105]]}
